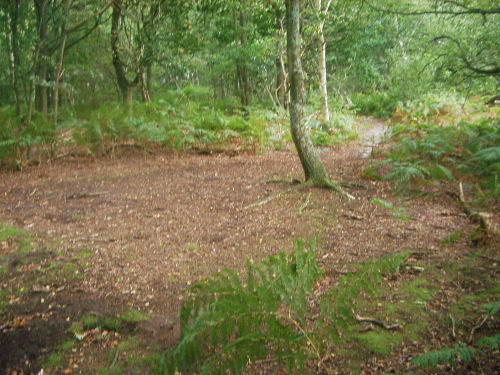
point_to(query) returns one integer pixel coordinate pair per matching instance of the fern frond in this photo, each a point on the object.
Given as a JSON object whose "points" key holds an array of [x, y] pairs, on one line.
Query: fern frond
{"points": [[490, 342], [445, 355], [491, 308], [226, 323]]}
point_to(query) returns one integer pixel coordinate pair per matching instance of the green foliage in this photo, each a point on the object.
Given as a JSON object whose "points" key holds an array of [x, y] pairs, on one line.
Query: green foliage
{"points": [[463, 352], [491, 308], [226, 322], [133, 316], [377, 104], [426, 151], [339, 128], [490, 342], [90, 321], [430, 104], [452, 238], [445, 355], [111, 323], [405, 174], [380, 342]]}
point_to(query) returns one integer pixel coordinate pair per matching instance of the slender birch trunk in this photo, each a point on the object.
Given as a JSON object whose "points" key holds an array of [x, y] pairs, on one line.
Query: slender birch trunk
{"points": [[311, 162], [323, 91], [11, 34]]}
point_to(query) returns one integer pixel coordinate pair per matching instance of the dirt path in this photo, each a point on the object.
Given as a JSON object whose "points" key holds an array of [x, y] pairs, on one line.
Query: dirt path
{"points": [[154, 223]]}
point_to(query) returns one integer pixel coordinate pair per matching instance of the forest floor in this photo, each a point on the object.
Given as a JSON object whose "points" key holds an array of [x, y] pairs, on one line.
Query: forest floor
{"points": [[95, 252]]}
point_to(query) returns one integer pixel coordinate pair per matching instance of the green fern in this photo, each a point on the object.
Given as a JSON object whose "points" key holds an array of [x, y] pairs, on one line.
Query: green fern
{"points": [[225, 323], [405, 174], [491, 342], [491, 308], [445, 355]]}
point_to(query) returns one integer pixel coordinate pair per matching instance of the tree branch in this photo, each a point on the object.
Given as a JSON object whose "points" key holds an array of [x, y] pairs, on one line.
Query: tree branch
{"points": [[465, 10]]}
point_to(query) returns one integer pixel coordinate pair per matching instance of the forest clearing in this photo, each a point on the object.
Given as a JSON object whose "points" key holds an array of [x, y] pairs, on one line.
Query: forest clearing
{"points": [[86, 243], [249, 187]]}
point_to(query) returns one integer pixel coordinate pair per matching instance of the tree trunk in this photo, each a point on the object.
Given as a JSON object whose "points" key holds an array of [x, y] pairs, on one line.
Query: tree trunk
{"points": [[243, 80], [280, 89], [11, 34], [126, 87], [59, 67], [59, 73], [41, 94], [311, 162], [247, 87], [323, 92]]}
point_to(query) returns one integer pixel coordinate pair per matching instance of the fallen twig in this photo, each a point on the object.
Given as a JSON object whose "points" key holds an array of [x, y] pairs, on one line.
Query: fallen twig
{"points": [[305, 203], [389, 327], [474, 329], [353, 216], [85, 195], [369, 327], [116, 358], [453, 327]]}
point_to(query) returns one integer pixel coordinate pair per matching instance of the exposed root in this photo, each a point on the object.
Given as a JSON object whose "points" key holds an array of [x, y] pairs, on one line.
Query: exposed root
{"points": [[277, 195], [304, 204], [335, 187], [309, 183]]}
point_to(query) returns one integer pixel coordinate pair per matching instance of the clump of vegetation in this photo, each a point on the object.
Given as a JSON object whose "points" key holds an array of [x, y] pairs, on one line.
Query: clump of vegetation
{"points": [[463, 352], [133, 316], [240, 321], [427, 151]]}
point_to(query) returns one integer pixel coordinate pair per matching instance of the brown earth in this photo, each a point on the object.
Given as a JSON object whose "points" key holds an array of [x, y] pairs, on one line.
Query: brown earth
{"points": [[154, 223]]}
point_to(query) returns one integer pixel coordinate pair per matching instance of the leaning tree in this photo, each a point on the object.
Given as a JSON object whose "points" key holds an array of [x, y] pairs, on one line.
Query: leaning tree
{"points": [[315, 173]]}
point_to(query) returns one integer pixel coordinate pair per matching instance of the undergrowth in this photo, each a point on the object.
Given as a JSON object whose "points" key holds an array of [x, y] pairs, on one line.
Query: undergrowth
{"points": [[427, 151], [227, 322], [191, 118], [463, 352]]}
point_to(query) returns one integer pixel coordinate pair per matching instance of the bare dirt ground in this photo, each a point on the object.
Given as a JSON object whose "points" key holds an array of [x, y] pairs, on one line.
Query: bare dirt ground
{"points": [[154, 223]]}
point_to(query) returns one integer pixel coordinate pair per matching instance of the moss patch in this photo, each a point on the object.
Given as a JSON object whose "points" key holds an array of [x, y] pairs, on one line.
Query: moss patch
{"points": [[379, 342], [133, 316], [419, 289]]}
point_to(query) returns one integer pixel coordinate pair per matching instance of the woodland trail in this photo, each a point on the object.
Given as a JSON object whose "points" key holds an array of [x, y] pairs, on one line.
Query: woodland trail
{"points": [[152, 224]]}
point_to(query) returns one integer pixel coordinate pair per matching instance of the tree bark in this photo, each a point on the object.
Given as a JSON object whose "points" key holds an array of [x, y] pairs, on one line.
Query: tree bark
{"points": [[240, 35], [280, 89], [41, 89], [59, 67], [311, 162], [323, 92], [126, 87], [12, 46]]}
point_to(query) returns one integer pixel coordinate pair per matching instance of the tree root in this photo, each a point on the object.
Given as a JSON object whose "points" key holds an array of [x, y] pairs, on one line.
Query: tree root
{"points": [[482, 218], [304, 204], [308, 183], [278, 194]]}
